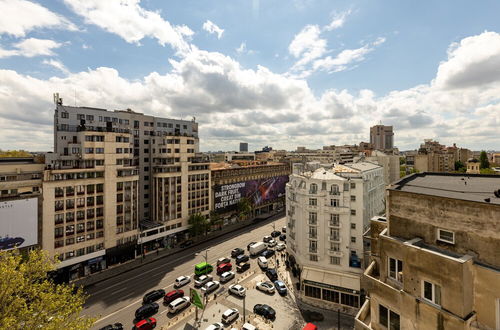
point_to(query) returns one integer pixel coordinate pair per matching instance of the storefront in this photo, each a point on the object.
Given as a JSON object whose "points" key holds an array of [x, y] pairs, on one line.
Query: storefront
{"points": [[160, 238], [121, 253], [78, 267]]}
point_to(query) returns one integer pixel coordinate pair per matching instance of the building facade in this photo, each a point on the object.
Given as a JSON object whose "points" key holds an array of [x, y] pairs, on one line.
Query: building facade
{"points": [[382, 137], [435, 261], [328, 210], [243, 147]]}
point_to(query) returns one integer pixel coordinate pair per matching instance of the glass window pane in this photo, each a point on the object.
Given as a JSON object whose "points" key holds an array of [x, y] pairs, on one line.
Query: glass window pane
{"points": [[382, 315], [394, 321]]}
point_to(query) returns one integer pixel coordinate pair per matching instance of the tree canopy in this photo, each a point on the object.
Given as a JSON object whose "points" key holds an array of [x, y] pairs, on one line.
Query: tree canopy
{"points": [[30, 300], [14, 153], [244, 207], [198, 224], [483, 159]]}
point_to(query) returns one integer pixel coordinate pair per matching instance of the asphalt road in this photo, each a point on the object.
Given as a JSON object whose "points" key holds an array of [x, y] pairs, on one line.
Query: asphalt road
{"points": [[116, 299]]}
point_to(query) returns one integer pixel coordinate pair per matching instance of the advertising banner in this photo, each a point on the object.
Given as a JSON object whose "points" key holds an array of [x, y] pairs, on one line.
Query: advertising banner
{"points": [[258, 192], [18, 223]]}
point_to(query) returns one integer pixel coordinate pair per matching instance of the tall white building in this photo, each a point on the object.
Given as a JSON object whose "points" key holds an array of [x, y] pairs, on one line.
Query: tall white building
{"points": [[328, 210]]}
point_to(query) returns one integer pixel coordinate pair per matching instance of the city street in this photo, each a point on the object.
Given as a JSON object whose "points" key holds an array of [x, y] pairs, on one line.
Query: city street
{"points": [[116, 299]]}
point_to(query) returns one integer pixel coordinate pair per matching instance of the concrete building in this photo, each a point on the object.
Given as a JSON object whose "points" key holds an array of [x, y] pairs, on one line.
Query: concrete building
{"points": [[232, 156], [382, 137], [243, 147], [473, 166], [435, 259], [390, 163], [328, 210]]}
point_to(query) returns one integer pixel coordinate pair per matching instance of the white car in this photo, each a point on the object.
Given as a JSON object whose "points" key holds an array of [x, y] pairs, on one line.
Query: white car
{"points": [[272, 243], [178, 304], [248, 326], [230, 315], [181, 281], [237, 290], [267, 287], [210, 287], [202, 280], [226, 277], [262, 262], [215, 326], [280, 247], [266, 239]]}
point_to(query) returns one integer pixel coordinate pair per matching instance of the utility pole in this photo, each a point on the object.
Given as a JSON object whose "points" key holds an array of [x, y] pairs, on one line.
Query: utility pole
{"points": [[244, 312]]}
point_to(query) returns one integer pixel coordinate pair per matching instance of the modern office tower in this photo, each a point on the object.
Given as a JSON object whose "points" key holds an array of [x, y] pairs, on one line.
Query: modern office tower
{"points": [[435, 261], [328, 210], [243, 147], [381, 137]]}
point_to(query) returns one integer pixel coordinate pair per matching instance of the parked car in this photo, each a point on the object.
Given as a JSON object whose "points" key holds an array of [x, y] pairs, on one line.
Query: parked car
{"points": [[146, 324], [280, 247], [240, 268], [230, 315], [283, 237], [237, 290], [236, 252], [266, 287], [215, 326], [267, 253], [116, 326], [172, 295], [262, 262], [226, 277], [222, 268], [153, 296], [181, 281], [266, 239], [265, 310], [185, 244], [223, 260], [275, 233], [202, 280], [210, 287], [283, 229], [272, 243], [280, 287], [242, 258], [146, 310], [272, 274], [249, 245], [248, 326], [178, 304]]}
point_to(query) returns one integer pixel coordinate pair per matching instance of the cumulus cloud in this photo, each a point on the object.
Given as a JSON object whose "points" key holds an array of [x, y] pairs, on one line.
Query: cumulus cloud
{"points": [[337, 21], [307, 45], [31, 47], [212, 28], [21, 16]]}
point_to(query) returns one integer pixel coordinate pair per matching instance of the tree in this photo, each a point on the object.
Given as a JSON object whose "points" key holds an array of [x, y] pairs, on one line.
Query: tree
{"points": [[198, 224], [244, 207], [402, 160], [14, 153], [459, 166], [483, 159], [30, 300], [215, 220]]}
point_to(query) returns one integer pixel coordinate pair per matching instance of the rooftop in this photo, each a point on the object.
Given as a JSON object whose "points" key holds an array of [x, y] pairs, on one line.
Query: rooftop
{"points": [[469, 187]]}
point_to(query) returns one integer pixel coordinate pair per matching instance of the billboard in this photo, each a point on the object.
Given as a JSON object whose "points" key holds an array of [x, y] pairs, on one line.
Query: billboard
{"points": [[18, 223], [258, 192]]}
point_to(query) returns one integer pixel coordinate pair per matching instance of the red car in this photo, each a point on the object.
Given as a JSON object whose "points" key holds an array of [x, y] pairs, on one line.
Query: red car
{"points": [[146, 324], [222, 268], [172, 295]]}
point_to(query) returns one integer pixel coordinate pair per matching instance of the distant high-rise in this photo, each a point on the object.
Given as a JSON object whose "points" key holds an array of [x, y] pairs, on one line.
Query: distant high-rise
{"points": [[382, 137], [243, 147]]}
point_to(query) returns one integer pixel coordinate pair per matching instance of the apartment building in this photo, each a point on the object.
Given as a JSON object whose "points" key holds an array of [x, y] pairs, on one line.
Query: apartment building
{"points": [[390, 163], [435, 260], [382, 137], [328, 210]]}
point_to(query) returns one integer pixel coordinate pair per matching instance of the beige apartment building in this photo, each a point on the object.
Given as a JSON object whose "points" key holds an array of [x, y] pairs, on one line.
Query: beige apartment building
{"points": [[436, 257]]}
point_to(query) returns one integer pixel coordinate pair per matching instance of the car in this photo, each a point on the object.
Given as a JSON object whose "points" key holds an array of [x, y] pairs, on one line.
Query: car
{"points": [[248, 326], [280, 247], [187, 243], [266, 287], [116, 326], [224, 268], [283, 229], [181, 281], [272, 274], [230, 315], [226, 277], [178, 304], [202, 280], [242, 258], [265, 310], [283, 237], [249, 245], [210, 287], [262, 262], [236, 252], [240, 268], [266, 239], [272, 243], [267, 253], [223, 260], [153, 296], [237, 290], [172, 295], [215, 326], [146, 324], [146, 310], [280, 287], [275, 233]]}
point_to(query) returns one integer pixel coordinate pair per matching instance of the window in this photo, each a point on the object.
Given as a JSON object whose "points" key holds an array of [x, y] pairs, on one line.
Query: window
{"points": [[353, 185], [64, 114], [446, 236], [431, 292], [313, 201], [334, 190], [335, 260], [334, 202], [313, 188], [353, 198], [388, 318], [334, 246], [313, 246], [334, 220], [353, 212], [313, 292], [353, 239], [313, 233], [353, 226], [395, 269], [313, 257]]}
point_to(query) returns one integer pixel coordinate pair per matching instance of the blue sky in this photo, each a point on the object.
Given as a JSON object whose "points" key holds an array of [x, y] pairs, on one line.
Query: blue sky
{"points": [[280, 73]]}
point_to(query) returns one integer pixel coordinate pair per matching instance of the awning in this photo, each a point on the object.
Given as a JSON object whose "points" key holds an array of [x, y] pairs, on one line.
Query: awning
{"points": [[331, 280], [312, 275]]}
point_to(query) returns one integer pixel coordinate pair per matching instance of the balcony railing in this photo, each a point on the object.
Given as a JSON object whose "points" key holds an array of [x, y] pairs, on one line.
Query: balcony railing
{"points": [[335, 238]]}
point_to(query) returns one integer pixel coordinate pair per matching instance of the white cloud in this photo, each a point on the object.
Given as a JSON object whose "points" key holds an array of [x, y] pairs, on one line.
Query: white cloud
{"points": [[308, 45], [337, 21], [130, 21], [31, 47], [242, 48], [342, 60], [212, 28], [20, 17], [56, 64]]}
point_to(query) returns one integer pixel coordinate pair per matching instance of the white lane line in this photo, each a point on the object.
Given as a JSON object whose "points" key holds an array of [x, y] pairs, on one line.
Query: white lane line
{"points": [[117, 291]]}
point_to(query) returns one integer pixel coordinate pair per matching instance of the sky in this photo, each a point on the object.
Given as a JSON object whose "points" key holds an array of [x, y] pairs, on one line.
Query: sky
{"points": [[268, 72]]}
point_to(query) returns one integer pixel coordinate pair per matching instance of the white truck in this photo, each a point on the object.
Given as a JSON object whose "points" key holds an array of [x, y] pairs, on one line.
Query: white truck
{"points": [[257, 248]]}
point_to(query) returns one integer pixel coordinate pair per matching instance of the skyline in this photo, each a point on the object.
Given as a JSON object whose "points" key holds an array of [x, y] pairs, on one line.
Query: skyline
{"points": [[323, 76]]}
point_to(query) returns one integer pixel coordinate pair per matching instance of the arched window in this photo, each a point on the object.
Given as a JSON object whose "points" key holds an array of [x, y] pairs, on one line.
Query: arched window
{"points": [[334, 190], [313, 188]]}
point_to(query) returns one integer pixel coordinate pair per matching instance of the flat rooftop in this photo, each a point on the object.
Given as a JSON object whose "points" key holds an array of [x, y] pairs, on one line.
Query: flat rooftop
{"points": [[469, 187]]}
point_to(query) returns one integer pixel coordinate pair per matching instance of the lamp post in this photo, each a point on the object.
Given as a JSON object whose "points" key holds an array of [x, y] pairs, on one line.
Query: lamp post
{"points": [[198, 321]]}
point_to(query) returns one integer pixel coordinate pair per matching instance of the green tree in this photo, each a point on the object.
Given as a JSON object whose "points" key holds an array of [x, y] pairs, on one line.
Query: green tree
{"points": [[459, 166], [14, 153], [215, 220], [30, 300], [198, 224], [483, 159], [402, 160], [244, 208], [486, 171]]}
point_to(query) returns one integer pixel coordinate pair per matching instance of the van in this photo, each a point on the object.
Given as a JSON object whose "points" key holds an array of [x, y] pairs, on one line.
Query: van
{"points": [[257, 248], [262, 262], [203, 268], [178, 304]]}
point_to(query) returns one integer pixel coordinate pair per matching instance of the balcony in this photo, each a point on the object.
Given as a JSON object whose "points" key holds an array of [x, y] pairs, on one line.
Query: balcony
{"points": [[363, 318], [336, 239], [335, 253]]}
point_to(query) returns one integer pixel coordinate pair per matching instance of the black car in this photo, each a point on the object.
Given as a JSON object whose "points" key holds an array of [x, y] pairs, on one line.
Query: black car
{"points": [[265, 310], [275, 233], [236, 252], [116, 326], [267, 253], [249, 245], [272, 274], [242, 258], [185, 244], [146, 310], [282, 237], [153, 296], [240, 268]]}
